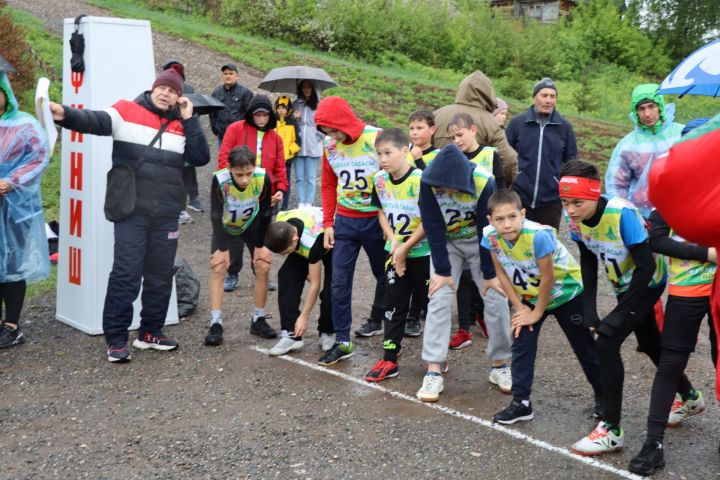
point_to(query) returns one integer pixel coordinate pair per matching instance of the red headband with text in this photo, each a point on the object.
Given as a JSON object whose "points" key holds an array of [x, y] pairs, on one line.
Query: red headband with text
{"points": [[579, 187]]}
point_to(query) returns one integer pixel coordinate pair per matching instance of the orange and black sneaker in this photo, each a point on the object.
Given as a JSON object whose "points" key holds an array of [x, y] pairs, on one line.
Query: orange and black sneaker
{"points": [[381, 370]]}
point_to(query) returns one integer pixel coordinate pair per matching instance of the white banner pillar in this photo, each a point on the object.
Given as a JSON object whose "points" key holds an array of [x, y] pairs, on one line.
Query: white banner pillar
{"points": [[118, 65]]}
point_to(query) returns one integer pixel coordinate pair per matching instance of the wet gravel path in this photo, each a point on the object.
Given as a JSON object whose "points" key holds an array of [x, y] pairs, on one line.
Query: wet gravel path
{"points": [[231, 412]]}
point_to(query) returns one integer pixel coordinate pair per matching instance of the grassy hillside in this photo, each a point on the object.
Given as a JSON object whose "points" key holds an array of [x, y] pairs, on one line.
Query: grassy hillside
{"points": [[46, 57], [383, 94]]}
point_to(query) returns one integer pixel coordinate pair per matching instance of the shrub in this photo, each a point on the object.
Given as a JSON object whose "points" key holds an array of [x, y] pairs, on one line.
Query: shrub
{"points": [[16, 51]]}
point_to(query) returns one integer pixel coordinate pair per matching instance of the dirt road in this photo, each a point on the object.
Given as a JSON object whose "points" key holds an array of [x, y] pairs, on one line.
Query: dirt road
{"points": [[233, 412]]}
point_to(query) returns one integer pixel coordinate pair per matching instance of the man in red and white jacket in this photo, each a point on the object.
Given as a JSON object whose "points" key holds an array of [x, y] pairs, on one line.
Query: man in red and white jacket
{"points": [[146, 241]]}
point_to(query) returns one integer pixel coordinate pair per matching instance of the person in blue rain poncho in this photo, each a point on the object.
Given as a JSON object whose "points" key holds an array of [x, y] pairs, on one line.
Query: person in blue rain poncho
{"points": [[655, 132], [24, 155]]}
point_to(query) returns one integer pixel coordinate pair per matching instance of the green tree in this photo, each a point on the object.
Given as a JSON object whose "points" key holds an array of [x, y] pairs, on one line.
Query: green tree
{"points": [[15, 50], [600, 34], [679, 26]]}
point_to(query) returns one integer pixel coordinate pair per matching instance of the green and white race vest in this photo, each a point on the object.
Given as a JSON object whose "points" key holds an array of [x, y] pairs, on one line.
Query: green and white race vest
{"points": [[485, 159], [355, 166], [312, 226], [240, 206], [400, 204], [605, 241], [520, 264], [458, 209]]}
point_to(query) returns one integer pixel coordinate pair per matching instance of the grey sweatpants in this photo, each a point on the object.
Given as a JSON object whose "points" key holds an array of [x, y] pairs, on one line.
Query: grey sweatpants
{"points": [[438, 320]]}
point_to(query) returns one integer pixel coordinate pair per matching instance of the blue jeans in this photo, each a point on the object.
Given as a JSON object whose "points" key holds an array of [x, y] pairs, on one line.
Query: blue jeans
{"points": [[350, 235], [144, 254], [286, 197], [306, 176]]}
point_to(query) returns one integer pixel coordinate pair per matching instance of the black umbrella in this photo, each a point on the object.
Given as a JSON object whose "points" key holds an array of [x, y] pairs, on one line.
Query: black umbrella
{"points": [[204, 104], [77, 47], [5, 66]]}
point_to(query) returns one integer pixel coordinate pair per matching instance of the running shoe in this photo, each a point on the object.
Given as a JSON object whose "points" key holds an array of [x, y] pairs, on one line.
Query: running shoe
{"points": [[185, 218], [381, 370], [286, 345], [195, 205], [9, 337], [413, 328], [215, 335], [599, 441], [261, 328], [432, 387], [369, 329], [515, 412], [682, 409], [338, 352], [649, 460], [119, 353], [156, 342], [231, 281], [480, 320], [502, 377], [326, 341], [461, 339]]}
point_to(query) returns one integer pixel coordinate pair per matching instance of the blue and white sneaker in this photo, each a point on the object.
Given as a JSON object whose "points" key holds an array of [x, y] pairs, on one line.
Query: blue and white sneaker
{"points": [[119, 353]]}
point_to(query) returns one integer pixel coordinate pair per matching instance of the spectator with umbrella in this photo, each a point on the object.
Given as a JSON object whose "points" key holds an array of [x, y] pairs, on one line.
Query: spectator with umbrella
{"points": [[307, 82]]}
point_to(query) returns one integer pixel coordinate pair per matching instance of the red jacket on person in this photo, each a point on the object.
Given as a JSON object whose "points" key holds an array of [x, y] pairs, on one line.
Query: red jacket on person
{"points": [[336, 113], [245, 132], [273, 156]]}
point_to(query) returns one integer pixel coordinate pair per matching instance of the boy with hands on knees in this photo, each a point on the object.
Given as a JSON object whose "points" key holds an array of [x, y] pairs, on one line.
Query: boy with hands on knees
{"points": [[239, 209], [611, 230], [395, 193], [540, 278]]}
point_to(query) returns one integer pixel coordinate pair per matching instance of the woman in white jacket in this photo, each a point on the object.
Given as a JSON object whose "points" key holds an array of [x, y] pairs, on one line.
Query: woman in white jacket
{"points": [[307, 159]]}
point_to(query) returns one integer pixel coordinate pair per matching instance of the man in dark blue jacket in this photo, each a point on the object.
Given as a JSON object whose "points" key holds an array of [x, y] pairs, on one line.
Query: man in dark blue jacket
{"points": [[146, 241], [544, 141]]}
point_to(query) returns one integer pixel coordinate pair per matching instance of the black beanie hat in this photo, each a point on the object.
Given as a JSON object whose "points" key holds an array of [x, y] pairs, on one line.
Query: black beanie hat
{"points": [[544, 83]]}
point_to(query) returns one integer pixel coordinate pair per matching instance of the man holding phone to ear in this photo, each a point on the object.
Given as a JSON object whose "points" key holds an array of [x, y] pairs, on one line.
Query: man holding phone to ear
{"points": [[146, 241]]}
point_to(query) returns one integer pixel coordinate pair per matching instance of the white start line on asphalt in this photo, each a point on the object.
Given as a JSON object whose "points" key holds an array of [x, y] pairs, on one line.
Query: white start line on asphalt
{"points": [[456, 413]]}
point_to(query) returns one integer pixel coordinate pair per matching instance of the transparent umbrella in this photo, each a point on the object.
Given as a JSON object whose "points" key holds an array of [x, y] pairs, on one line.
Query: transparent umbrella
{"points": [[287, 79]]}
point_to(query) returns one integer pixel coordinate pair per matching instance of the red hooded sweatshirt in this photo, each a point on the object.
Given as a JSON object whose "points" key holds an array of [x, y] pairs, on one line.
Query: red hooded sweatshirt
{"points": [[684, 186], [244, 132], [335, 112]]}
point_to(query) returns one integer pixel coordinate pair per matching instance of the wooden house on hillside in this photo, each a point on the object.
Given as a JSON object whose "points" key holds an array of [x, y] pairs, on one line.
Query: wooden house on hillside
{"points": [[543, 10]]}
